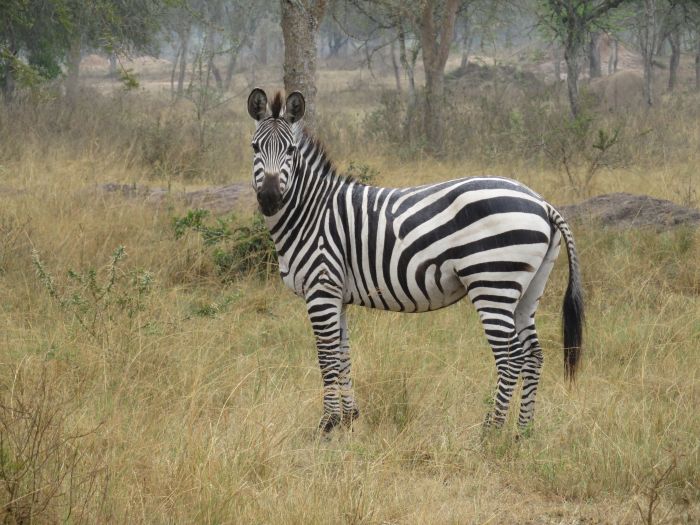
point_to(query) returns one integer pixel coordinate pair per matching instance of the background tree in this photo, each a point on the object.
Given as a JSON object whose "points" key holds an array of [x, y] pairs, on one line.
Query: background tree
{"points": [[34, 36], [300, 22], [648, 23], [437, 22], [572, 21]]}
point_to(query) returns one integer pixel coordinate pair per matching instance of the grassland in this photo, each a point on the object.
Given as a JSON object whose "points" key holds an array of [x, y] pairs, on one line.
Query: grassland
{"points": [[178, 398]]}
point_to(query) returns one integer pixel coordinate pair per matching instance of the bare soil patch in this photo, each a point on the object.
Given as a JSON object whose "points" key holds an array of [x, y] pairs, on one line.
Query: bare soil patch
{"points": [[625, 210], [217, 199]]}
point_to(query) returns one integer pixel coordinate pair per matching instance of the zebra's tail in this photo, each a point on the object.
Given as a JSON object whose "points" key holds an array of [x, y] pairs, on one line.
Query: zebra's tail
{"points": [[572, 310]]}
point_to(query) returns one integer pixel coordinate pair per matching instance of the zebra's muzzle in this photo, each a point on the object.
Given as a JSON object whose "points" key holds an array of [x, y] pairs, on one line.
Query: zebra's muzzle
{"points": [[270, 195]]}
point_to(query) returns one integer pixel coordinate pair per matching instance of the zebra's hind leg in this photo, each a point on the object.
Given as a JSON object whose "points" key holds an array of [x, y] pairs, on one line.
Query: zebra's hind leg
{"points": [[527, 332], [324, 313], [349, 408], [499, 326]]}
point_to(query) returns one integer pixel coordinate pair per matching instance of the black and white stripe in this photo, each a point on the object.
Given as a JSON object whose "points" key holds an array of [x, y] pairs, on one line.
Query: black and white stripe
{"points": [[416, 249]]}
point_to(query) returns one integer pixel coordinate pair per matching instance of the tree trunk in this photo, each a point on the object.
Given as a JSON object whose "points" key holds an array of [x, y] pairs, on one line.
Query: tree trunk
{"points": [[697, 60], [112, 65], [594, 69], [648, 80], [408, 64], [299, 26], [73, 74], [395, 66], [436, 48], [674, 38], [173, 71], [612, 61], [467, 39], [556, 57], [7, 73], [648, 33], [184, 44], [571, 57]]}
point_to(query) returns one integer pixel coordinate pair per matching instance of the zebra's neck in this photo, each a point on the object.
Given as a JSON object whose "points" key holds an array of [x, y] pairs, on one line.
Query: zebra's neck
{"points": [[314, 183]]}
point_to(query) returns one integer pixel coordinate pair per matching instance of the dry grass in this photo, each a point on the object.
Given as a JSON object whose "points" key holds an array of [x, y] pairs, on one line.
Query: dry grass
{"points": [[184, 414]]}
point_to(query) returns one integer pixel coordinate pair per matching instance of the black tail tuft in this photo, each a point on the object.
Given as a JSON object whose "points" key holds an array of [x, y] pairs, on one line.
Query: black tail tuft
{"points": [[572, 310], [572, 323]]}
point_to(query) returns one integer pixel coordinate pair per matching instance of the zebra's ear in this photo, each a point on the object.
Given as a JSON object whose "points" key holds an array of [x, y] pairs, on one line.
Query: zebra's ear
{"points": [[294, 107], [257, 104]]}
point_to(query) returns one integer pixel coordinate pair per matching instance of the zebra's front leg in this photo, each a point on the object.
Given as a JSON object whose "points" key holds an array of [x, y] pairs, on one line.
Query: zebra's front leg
{"points": [[350, 411], [324, 313]]}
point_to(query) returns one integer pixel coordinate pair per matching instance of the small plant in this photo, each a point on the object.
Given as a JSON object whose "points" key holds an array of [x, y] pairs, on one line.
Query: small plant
{"points": [[46, 474], [237, 250], [362, 172], [583, 151], [652, 489], [97, 298]]}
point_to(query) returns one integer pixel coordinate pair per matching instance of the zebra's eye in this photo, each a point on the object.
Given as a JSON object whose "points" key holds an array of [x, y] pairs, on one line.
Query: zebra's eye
{"points": [[291, 149], [256, 148]]}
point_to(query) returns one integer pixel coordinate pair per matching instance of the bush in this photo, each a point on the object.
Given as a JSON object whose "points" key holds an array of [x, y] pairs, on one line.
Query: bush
{"points": [[99, 300], [238, 250]]}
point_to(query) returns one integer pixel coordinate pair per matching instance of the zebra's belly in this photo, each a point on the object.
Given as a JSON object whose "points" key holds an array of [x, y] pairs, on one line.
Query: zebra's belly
{"points": [[430, 296]]}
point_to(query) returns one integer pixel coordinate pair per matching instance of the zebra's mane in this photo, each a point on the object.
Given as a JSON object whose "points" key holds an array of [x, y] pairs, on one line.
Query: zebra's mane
{"points": [[276, 106], [314, 144]]}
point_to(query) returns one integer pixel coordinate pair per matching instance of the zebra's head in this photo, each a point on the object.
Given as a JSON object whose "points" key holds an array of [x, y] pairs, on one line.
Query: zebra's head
{"points": [[274, 143]]}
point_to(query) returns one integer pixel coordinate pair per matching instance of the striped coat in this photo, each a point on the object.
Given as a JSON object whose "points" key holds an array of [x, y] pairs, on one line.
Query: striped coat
{"points": [[416, 249]]}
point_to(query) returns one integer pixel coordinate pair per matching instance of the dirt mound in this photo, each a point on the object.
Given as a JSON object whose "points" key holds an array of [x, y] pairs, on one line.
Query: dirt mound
{"points": [[624, 210], [218, 199], [474, 75]]}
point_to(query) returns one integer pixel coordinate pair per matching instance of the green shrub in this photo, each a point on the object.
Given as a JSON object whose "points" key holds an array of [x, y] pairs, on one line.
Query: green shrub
{"points": [[238, 250]]}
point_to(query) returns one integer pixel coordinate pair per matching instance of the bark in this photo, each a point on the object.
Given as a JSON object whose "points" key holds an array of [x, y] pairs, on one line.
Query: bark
{"points": [[436, 44], [7, 81], [300, 22], [184, 44], [408, 62], [395, 66], [612, 61], [73, 73], [7, 73], [594, 68], [112, 65], [697, 61], [467, 40], [674, 39], [173, 70], [572, 70], [648, 34]]}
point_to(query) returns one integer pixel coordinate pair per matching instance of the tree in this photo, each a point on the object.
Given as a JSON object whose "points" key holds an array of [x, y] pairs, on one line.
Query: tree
{"points": [[38, 37], [437, 23], [34, 36], [117, 27], [595, 69], [571, 21], [300, 23], [649, 24]]}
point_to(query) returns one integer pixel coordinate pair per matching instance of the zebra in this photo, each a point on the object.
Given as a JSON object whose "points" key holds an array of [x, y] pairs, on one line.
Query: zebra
{"points": [[415, 249]]}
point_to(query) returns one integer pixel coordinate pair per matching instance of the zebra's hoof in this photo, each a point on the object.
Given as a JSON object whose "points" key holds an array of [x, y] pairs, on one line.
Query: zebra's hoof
{"points": [[350, 416], [329, 422]]}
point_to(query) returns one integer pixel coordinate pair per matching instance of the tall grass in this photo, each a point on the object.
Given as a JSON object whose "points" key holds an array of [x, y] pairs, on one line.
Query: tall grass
{"points": [[202, 405]]}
